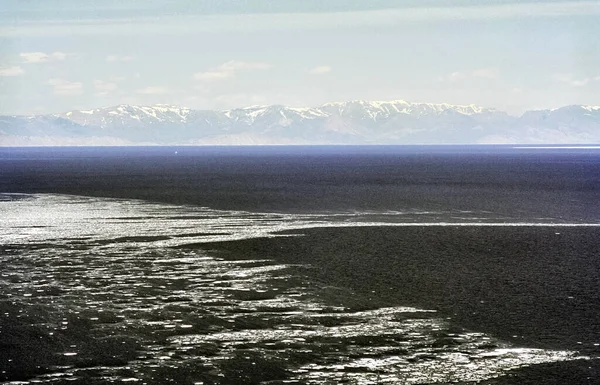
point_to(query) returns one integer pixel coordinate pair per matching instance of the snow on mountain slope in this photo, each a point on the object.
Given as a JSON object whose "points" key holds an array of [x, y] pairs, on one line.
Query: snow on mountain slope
{"points": [[384, 109], [352, 122], [126, 115]]}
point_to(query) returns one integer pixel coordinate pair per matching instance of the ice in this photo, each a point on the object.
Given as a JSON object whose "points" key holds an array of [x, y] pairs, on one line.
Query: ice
{"points": [[105, 268]]}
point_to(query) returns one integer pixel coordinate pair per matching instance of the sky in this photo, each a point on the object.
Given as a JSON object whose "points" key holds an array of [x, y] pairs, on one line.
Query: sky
{"points": [[62, 55]]}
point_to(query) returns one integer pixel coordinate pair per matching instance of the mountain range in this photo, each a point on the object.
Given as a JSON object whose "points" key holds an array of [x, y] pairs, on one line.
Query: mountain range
{"points": [[353, 122]]}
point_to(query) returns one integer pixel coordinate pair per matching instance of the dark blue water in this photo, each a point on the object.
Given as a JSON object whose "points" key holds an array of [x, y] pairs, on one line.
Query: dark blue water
{"points": [[514, 182], [525, 286]]}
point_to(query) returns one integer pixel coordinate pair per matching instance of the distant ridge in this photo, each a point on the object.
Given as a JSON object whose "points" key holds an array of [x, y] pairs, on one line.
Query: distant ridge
{"points": [[352, 122]]}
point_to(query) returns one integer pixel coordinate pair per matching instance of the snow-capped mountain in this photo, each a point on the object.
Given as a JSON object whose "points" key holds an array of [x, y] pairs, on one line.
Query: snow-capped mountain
{"points": [[570, 124], [353, 122], [126, 116]]}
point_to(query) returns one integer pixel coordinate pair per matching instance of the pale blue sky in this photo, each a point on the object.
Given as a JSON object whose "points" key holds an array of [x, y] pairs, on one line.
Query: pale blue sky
{"points": [[77, 54]]}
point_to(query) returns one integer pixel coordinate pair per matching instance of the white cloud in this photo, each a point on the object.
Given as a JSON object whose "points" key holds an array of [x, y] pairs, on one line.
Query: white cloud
{"points": [[229, 70], [34, 57], [58, 55], [486, 73], [454, 77], [237, 100], [152, 91], [580, 82], [234, 66], [489, 73], [104, 88], [573, 81], [11, 71], [64, 87], [213, 75], [320, 70], [41, 57], [117, 58]]}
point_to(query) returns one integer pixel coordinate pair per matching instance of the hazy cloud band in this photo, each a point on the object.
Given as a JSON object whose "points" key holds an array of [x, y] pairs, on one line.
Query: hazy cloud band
{"points": [[285, 21]]}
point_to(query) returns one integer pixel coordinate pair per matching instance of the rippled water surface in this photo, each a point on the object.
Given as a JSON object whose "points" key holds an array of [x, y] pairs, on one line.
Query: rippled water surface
{"points": [[99, 290]]}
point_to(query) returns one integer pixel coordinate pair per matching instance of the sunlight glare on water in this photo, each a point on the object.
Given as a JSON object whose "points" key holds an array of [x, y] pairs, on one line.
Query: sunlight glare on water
{"points": [[108, 297]]}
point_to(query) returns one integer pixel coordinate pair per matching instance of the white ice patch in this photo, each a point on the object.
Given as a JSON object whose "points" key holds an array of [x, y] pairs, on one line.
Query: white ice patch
{"points": [[134, 222], [385, 345]]}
